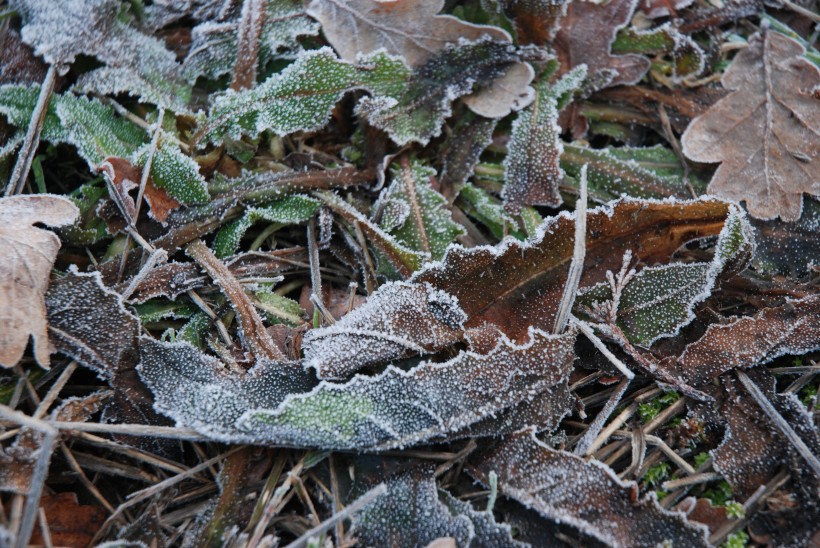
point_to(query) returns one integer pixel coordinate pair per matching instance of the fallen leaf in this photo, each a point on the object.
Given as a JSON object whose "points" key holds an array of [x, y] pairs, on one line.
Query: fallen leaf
{"points": [[29, 254], [19, 64], [518, 284], [69, 522], [411, 29], [586, 495], [662, 8], [765, 132], [536, 21], [398, 321], [792, 328], [125, 177], [582, 40]]}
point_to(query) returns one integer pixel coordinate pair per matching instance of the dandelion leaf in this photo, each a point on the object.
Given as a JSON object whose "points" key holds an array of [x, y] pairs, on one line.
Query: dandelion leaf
{"points": [[531, 169], [415, 214], [174, 171], [399, 408], [659, 300], [586, 495]]}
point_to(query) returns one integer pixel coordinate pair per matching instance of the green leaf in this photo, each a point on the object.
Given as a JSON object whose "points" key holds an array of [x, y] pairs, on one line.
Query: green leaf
{"points": [[174, 171], [687, 56], [279, 309], [480, 205], [531, 168], [92, 127], [287, 211], [135, 63], [415, 214], [213, 47], [301, 97], [659, 300]]}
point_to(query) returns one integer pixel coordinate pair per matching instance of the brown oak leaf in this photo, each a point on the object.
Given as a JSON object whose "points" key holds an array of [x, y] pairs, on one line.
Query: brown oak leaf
{"points": [[28, 254], [766, 132], [586, 35]]}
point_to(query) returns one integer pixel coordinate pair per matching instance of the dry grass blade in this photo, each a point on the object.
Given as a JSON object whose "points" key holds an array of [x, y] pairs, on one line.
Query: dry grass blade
{"points": [[576, 267]]}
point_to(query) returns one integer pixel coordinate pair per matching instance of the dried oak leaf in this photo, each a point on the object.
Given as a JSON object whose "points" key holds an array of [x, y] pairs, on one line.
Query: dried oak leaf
{"points": [[765, 133], [28, 255], [586, 495], [582, 40], [412, 29], [792, 328]]}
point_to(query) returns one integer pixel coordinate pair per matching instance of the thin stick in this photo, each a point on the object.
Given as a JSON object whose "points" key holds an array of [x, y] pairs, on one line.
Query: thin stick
{"points": [[597, 425], [32, 139], [576, 267], [691, 480], [357, 505], [313, 257], [55, 390], [132, 430], [584, 328], [779, 421]]}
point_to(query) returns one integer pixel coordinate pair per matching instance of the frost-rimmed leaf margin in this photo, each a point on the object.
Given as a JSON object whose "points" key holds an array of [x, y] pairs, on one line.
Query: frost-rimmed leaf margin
{"points": [[690, 283]]}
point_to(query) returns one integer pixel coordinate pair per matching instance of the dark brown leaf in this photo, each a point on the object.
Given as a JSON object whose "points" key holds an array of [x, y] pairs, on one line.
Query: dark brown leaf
{"points": [[586, 495], [70, 523]]}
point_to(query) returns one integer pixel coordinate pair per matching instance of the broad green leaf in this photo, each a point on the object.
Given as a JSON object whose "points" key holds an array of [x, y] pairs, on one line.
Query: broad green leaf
{"points": [[414, 213], [688, 58], [213, 47], [287, 211], [658, 301], [301, 97], [135, 63], [92, 127], [531, 168], [174, 171]]}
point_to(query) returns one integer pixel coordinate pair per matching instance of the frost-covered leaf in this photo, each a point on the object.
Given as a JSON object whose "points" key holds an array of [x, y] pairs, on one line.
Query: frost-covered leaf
{"points": [[301, 97], [518, 284], [124, 177], [174, 171], [291, 210], [765, 132], [414, 213], [135, 63], [94, 128], [410, 513], [652, 172], [418, 111], [488, 532], [688, 58], [488, 210], [789, 248], [214, 43], [536, 21], [792, 328], [659, 300], [19, 65], [398, 408], [582, 40], [397, 321], [468, 139], [88, 322], [28, 254], [531, 169], [199, 392], [586, 495]]}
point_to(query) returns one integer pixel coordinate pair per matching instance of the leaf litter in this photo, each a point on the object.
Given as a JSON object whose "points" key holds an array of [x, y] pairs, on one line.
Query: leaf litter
{"points": [[349, 311]]}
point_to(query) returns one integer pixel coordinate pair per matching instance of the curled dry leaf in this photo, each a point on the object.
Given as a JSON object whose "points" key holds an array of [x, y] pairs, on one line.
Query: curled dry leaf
{"points": [[585, 495], [28, 255], [411, 29], [764, 133], [582, 41], [399, 320]]}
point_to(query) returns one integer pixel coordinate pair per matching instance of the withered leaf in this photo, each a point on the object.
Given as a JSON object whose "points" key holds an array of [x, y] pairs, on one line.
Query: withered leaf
{"points": [[518, 284], [586, 495], [69, 522], [792, 328], [28, 255], [125, 177], [765, 133], [411, 29], [398, 320], [581, 40]]}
